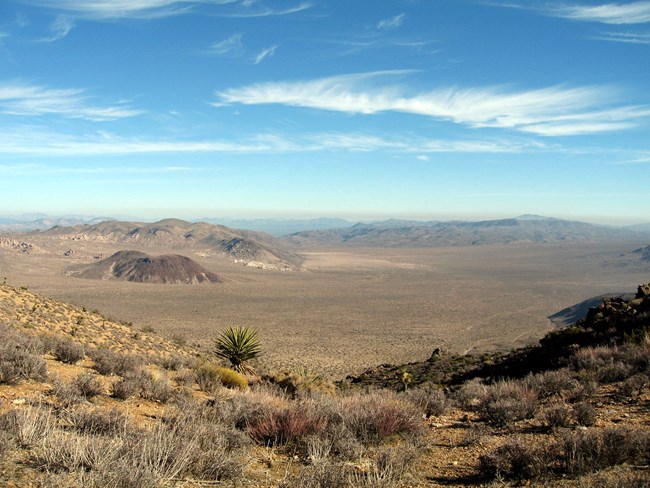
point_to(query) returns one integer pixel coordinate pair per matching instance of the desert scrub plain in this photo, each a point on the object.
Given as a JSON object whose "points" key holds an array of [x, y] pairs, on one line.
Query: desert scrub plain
{"points": [[87, 401], [347, 309]]}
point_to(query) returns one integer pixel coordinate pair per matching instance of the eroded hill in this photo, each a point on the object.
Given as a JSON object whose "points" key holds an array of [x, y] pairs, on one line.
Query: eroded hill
{"points": [[139, 267]]}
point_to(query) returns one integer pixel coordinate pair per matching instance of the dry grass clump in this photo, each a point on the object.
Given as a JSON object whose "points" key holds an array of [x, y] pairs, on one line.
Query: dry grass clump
{"points": [[89, 385], [302, 381], [97, 421], [516, 459]]}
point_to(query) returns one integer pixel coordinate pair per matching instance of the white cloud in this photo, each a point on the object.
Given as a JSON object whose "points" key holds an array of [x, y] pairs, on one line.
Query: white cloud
{"points": [[110, 9], [230, 46], [262, 11], [555, 110], [608, 13], [22, 99], [265, 53], [29, 140], [640, 38], [60, 28], [391, 23]]}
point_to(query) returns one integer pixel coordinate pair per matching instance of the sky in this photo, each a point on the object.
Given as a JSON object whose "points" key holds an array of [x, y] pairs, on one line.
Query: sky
{"points": [[360, 109]]}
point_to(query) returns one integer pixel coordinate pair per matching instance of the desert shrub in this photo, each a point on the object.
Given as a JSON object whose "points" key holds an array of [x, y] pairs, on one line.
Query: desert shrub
{"points": [[469, 395], [17, 364], [517, 460], [375, 416], [634, 385], [429, 398], [89, 385], [6, 445], [238, 345], [613, 372], [558, 383], [558, 414], [176, 362], [98, 421], [155, 387], [507, 402], [186, 378], [388, 469], [108, 362], [616, 477], [62, 451], [27, 426], [594, 449], [68, 394], [302, 381], [127, 387], [585, 414], [286, 425], [68, 351]]}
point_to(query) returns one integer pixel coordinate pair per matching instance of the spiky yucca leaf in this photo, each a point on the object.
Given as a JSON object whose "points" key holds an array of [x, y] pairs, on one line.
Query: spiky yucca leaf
{"points": [[238, 345]]}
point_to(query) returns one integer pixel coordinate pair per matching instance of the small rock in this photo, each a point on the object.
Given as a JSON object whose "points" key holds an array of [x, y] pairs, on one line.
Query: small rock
{"points": [[19, 401]]}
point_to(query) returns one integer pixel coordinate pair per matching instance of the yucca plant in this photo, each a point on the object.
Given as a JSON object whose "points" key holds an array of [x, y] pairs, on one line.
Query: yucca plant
{"points": [[238, 345]]}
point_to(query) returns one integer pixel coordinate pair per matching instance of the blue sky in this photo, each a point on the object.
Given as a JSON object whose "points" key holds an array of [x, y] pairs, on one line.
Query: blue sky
{"points": [[431, 109]]}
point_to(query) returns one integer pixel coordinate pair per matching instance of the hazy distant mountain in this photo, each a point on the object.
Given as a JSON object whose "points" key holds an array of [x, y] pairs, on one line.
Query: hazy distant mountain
{"points": [[27, 223], [281, 227], [250, 247], [141, 268], [639, 227], [524, 229]]}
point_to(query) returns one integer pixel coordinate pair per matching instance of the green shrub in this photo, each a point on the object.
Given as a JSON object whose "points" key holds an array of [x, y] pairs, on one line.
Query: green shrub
{"points": [[210, 376]]}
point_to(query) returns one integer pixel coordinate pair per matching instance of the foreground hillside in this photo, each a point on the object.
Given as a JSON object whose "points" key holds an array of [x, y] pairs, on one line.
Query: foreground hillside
{"points": [[86, 401]]}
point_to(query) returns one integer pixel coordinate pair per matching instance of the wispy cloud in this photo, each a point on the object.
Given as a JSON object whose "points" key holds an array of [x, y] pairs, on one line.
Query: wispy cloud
{"points": [[22, 99], [265, 53], [608, 13], [34, 141], [551, 111], [256, 10], [59, 29], [391, 23], [44, 170], [112, 9], [605, 13], [630, 38], [232, 46]]}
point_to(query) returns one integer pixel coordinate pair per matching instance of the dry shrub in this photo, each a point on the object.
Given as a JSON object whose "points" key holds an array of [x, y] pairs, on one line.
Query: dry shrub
{"points": [[68, 351], [470, 394], [6, 444], [97, 421], [16, 365], [616, 477], [375, 416], [68, 394], [585, 414], [389, 469], [89, 385], [302, 381], [145, 384], [595, 449], [28, 425], [558, 414], [559, 383], [633, 386], [507, 402], [108, 362], [516, 459], [429, 398], [292, 424]]}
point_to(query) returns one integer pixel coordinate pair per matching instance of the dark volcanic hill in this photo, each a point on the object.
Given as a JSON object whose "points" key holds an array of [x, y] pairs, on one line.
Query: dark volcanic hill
{"points": [[142, 268], [252, 248], [399, 233]]}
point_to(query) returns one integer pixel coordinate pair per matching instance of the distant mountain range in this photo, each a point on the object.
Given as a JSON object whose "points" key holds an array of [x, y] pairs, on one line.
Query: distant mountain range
{"points": [[253, 248], [404, 233]]}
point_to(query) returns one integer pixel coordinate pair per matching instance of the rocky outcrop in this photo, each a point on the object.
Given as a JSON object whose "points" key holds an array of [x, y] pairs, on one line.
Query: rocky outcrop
{"points": [[20, 246]]}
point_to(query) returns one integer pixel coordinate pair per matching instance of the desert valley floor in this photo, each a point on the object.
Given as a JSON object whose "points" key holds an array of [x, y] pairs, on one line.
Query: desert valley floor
{"points": [[348, 309]]}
